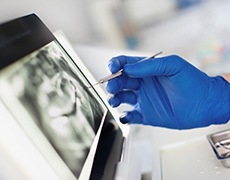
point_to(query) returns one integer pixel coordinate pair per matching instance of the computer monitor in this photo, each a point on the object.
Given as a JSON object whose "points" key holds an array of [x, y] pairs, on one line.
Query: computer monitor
{"points": [[53, 102]]}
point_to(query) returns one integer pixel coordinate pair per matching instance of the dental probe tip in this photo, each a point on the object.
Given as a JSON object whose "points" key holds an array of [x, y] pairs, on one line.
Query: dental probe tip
{"points": [[112, 76]]}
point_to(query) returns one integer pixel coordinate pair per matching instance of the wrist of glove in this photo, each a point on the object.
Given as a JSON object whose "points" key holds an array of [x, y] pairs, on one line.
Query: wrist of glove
{"points": [[168, 92]]}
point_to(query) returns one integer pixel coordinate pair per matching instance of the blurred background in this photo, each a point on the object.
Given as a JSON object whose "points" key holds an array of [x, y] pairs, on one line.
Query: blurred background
{"points": [[197, 30]]}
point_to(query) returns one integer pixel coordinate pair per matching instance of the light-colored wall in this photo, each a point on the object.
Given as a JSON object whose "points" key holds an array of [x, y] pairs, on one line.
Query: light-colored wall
{"points": [[91, 22], [67, 15]]}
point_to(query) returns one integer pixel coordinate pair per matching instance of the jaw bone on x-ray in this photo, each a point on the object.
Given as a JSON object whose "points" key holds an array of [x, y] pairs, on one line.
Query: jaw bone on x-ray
{"points": [[49, 85]]}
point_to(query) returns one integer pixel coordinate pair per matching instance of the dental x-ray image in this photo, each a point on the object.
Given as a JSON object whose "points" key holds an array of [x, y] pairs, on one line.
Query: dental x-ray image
{"points": [[58, 98]]}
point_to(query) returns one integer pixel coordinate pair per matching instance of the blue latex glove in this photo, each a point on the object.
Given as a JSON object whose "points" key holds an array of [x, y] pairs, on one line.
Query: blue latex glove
{"points": [[168, 92]]}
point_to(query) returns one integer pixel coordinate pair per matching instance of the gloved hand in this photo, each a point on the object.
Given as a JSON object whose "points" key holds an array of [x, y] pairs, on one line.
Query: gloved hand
{"points": [[168, 92]]}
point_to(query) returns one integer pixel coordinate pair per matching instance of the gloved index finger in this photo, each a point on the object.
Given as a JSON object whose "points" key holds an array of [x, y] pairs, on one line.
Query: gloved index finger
{"points": [[168, 65], [117, 63]]}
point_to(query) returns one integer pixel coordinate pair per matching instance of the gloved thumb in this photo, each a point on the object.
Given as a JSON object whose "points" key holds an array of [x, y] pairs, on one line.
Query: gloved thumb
{"points": [[168, 65]]}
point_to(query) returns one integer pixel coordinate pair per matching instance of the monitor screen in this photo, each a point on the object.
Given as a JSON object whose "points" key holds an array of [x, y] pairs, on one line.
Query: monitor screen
{"points": [[58, 99], [49, 95]]}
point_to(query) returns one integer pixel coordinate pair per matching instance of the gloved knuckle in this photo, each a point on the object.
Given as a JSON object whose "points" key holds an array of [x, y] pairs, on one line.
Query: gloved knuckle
{"points": [[176, 57]]}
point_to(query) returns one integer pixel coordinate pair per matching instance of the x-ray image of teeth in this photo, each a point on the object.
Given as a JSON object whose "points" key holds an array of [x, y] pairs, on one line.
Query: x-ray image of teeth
{"points": [[58, 100]]}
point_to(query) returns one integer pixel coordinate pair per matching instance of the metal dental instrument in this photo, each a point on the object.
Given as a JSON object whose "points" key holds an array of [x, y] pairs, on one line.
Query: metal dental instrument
{"points": [[118, 73]]}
